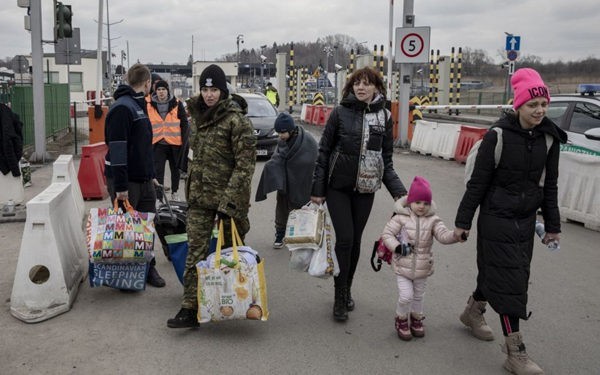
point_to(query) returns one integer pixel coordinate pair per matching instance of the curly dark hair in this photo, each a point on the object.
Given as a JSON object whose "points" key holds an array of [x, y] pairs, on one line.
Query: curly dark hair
{"points": [[368, 74]]}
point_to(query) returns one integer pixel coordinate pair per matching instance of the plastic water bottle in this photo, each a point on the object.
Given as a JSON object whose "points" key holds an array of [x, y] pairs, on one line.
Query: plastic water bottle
{"points": [[540, 230]]}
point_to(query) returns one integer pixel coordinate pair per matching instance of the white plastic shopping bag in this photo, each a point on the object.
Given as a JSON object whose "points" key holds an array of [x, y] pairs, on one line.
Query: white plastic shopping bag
{"points": [[324, 263]]}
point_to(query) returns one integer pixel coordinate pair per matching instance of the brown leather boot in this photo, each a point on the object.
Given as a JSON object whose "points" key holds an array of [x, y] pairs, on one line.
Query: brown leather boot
{"points": [[402, 328], [472, 317], [518, 362]]}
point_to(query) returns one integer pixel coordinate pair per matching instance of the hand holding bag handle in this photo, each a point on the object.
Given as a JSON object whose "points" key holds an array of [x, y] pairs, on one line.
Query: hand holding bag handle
{"points": [[235, 241], [128, 207]]}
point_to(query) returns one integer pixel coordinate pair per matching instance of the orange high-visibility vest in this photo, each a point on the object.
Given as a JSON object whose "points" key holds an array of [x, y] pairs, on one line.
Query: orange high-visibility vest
{"points": [[168, 129]]}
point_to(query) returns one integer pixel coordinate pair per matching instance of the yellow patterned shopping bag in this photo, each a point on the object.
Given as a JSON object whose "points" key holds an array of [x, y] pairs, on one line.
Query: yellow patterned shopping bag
{"points": [[231, 282]]}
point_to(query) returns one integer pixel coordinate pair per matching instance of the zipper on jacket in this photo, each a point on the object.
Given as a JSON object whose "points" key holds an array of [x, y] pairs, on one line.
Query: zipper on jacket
{"points": [[416, 244], [362, 142], [332, 165]]}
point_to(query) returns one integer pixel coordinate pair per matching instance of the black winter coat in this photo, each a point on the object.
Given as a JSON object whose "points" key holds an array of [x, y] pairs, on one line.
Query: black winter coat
{"points": [[11, 141], [508, 197], [340, 149]]}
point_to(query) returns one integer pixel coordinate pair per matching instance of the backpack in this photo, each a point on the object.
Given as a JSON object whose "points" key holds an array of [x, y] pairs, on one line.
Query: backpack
{"points": [[470, 162]]}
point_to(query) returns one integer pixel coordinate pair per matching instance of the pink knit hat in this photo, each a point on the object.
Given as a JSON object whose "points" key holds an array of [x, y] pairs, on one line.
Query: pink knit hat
{"points": [[420, 190], [527, 84]]}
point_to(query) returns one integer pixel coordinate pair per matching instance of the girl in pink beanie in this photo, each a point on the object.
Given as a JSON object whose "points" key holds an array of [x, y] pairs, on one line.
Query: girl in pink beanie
{"points": [[410, 233]]}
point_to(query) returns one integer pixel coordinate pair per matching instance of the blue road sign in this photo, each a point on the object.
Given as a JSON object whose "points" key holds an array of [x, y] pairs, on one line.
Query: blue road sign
{"points": [[513, 42], [512, 55]]}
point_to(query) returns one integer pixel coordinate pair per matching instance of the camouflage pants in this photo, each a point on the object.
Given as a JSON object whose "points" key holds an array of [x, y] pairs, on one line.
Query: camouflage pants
{"points": [[200, 223]]}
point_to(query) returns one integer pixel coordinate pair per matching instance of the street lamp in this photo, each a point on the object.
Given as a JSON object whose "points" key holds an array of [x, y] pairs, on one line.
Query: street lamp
{"points": [[238, 39]]}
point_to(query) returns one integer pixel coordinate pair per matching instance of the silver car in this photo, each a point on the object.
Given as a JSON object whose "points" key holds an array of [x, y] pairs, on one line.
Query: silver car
{"points": [[576, 114]]}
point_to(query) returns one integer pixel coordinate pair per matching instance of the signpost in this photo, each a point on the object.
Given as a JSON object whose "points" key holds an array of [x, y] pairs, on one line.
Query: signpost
{"points": [[513, 45], [412, 44]]}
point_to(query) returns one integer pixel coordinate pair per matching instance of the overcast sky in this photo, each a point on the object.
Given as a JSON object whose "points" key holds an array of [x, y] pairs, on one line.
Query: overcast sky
{"points": [[161, 30]]}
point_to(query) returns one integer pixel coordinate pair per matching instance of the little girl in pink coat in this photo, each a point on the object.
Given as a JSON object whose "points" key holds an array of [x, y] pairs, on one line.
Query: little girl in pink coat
{"points": [[415, 224]]}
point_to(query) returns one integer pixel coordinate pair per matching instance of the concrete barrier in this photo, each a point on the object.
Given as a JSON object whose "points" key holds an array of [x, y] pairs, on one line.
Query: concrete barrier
{"points": [[53, 258], [579, 189], [63, 170], [445, 139], [422, 141]]}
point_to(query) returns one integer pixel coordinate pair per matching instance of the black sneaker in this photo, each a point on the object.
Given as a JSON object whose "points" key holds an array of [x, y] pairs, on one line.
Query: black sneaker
{"points": [[278, 243], [154, 278], [185, 318]]}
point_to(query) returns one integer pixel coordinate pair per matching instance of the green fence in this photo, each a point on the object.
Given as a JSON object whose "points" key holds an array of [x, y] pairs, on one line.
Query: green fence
{"points": [[56, 97]]}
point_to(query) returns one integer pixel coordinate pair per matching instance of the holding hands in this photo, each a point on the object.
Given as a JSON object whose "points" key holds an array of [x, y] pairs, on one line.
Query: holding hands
{"points": [[461, 235]]}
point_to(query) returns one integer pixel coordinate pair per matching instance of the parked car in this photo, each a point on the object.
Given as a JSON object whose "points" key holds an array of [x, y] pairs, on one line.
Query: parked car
{"points": [[262, 114], [576, 114]]}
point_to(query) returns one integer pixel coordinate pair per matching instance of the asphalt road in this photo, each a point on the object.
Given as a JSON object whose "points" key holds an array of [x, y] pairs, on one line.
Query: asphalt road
{"points": [[107, 331]]}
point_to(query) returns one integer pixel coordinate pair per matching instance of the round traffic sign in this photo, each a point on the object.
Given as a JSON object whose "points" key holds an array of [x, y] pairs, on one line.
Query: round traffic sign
{"points": [[412, 45], [512, 55]]}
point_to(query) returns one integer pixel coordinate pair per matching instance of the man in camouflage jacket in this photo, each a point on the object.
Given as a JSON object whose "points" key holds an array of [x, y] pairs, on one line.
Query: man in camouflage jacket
{"points": [[219, 177]]}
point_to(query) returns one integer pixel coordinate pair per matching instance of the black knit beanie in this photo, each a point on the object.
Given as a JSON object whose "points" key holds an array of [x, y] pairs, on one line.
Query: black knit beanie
{"points": [[284, 123], [213, 76], [161, 83]]}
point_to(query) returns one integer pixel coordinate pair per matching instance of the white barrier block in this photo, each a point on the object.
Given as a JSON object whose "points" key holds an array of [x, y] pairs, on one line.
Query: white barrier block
{"points": [[11, 187], [445, 139], [579, 189], [53, 258], [422, 140], [63, 170], [303, 113]]}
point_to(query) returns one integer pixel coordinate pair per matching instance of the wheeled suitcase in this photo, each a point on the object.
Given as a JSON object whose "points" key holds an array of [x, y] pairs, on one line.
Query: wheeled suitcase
{"points": [[171, 218]]}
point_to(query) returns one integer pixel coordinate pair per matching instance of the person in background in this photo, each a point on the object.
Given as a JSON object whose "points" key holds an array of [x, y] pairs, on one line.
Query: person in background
{"points": [[169, 127], [272, 94], [289, 172], [355, 157], [11, 141], [219, 178], [129, 163], [409, 234], [508, 196]]}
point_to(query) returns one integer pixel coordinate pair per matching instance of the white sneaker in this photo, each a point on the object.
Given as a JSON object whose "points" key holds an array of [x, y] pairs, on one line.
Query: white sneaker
{"points": [[175, 197]]}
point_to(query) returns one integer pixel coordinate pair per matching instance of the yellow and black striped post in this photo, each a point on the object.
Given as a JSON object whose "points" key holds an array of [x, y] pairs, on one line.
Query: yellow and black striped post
{"points": [[351, 68], [291, 81], [374, 56], [302, 85], [451, 87], [458, 72], [381, 60], [436, 90], [431, 78]]}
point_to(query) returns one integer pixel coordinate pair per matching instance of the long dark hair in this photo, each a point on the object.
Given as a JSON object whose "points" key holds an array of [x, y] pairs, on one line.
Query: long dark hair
{"points": [[368, 74]]}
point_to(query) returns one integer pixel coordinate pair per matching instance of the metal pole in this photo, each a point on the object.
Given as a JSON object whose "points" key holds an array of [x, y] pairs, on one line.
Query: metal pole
{"points": [[37, 53], [75, 124], [390, 45], [99, 56], [405, 77], [109, 68]]}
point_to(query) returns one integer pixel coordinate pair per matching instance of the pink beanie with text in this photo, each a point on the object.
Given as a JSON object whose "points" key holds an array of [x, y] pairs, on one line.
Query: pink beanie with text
{"points": [[527, 84], [420, 190]]}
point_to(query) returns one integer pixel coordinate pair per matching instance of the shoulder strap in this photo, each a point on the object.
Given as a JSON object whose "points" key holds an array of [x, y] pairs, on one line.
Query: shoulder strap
{"points": [[498, 148], [549, 141]]}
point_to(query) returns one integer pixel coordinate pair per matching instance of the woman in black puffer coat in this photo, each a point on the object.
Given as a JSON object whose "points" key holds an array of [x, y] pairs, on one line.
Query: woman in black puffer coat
{"points": [[355, 157], [508, 197]]}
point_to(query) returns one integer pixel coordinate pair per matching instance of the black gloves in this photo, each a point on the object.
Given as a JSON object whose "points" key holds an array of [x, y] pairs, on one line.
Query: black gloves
{"points": [[223, 216], [403, 249]]}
